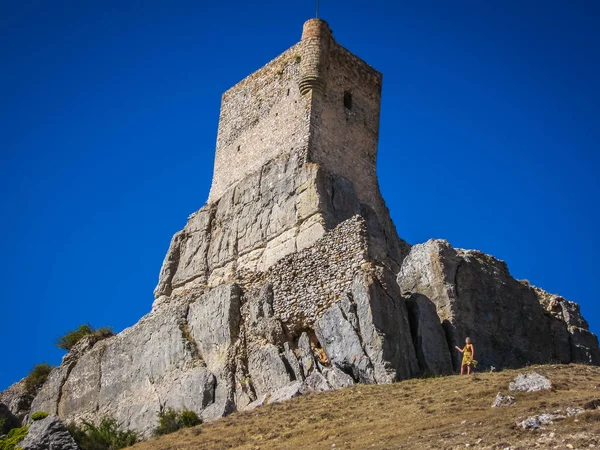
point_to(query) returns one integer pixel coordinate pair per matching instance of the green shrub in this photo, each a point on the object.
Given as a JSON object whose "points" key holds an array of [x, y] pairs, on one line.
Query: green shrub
{"points": [[37, 377], [13, 437], [170, 420], [189, 418], [39, 415], [107, 435], [72, 337]]}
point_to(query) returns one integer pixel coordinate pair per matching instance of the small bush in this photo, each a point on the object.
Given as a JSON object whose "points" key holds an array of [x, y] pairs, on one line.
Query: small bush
{"points": [[39, 415], [107, 435], [37, 377], [72, 337], [189, 418], [13, 437], [170, 420]]}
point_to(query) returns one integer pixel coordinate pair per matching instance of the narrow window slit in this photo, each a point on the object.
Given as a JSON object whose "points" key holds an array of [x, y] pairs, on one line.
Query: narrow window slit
{"points": [[347, 100]]}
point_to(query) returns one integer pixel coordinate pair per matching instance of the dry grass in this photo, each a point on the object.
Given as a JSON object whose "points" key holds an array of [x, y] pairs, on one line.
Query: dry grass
{"points": [[441, 413]]}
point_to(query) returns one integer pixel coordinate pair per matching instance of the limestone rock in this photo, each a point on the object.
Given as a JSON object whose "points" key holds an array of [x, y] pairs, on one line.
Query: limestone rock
{"points": [[8, 419], [503, 400], [343, 345], [267, 370], [428, 336], [384, 328], [48, 434], [529, 382], [17, 400], [535, 422], [476, 296]]}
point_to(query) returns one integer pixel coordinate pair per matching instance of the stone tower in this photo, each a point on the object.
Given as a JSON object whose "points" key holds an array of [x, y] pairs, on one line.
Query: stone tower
{"points": [[317, 100], [292, 279]]}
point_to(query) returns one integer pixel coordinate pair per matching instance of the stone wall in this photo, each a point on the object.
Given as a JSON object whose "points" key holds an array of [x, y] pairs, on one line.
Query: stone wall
{"points": [[344, 134], [262, 117], [305, 283]]}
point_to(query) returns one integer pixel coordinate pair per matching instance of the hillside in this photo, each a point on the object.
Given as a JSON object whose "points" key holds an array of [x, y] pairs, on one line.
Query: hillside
{"points": [[445, 412]]}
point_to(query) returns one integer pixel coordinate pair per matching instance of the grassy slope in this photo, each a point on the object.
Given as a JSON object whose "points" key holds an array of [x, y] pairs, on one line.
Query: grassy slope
{"points": [[445, 412]]}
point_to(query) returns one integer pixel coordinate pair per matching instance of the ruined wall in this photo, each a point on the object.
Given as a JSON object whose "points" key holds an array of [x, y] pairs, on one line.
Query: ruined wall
{"points": [[262, 117], [344, 134], [307, 282]]}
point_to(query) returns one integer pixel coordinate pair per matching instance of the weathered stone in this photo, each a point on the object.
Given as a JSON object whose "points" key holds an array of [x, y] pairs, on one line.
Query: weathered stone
{"points": [[384, 329], [316, 382], [305, 355], [475, 296], [48, 434], [292, 362], [503, 400], [336, 378], [535, 422], [342, 345], [267, 370], [17, 400], [286, 393], [8, 419], [428, 336], [529, 382]]}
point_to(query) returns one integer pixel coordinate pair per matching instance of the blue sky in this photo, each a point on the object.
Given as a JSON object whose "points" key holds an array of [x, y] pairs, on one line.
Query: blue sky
{"points": [[490, 132]]}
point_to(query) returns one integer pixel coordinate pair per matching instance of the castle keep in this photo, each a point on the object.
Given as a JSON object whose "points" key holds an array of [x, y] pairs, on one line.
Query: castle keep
{"points": [[292, 278]]}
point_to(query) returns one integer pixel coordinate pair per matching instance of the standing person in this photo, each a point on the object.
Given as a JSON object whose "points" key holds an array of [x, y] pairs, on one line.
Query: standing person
{"points": [[468, 356]]}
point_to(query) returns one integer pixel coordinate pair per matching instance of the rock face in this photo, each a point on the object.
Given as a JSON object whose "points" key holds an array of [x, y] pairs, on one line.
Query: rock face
{"points": [[509, 322], [292, 278], [17, 402], [48, 434]]}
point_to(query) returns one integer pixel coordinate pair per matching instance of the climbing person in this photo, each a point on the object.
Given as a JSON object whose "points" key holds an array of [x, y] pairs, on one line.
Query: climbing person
{"points": [[468, 360]]}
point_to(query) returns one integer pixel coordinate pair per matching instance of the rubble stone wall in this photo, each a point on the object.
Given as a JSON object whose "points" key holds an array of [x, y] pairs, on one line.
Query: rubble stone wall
{"points": [[262, 117]]}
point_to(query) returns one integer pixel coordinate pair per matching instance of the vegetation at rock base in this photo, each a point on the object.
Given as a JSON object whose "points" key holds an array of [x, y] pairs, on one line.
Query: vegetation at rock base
{"points": [[8, 423], [107, 435], [72, 337], [13, 437], [170, 420], [437, 413], [37, 377], [39, 415]]}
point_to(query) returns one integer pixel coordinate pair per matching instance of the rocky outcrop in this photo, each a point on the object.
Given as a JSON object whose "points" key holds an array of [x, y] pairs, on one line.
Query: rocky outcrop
{"points": [[292, 278], [8, 420], [17, 400], [428, 336], [475, 295], [48, 434]]}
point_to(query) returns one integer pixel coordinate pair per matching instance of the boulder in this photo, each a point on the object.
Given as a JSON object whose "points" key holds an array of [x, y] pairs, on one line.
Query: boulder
{"points": [[529, 382], [503, 400], [48, 434]]}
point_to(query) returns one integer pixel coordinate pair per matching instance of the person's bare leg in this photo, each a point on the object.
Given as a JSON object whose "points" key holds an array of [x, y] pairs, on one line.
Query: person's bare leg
{"points": [[462, 369], [468, 370]]}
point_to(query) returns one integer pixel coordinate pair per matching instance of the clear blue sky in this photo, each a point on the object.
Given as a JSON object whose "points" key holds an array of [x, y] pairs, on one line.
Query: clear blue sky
{"points": [[490, 137]]}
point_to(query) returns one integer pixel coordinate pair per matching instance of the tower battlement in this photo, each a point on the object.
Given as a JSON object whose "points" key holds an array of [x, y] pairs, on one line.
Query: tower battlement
{"points": [[316, 99]]}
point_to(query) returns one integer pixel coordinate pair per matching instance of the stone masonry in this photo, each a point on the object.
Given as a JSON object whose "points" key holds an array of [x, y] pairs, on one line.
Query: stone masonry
{"points": [[292, 278]]}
